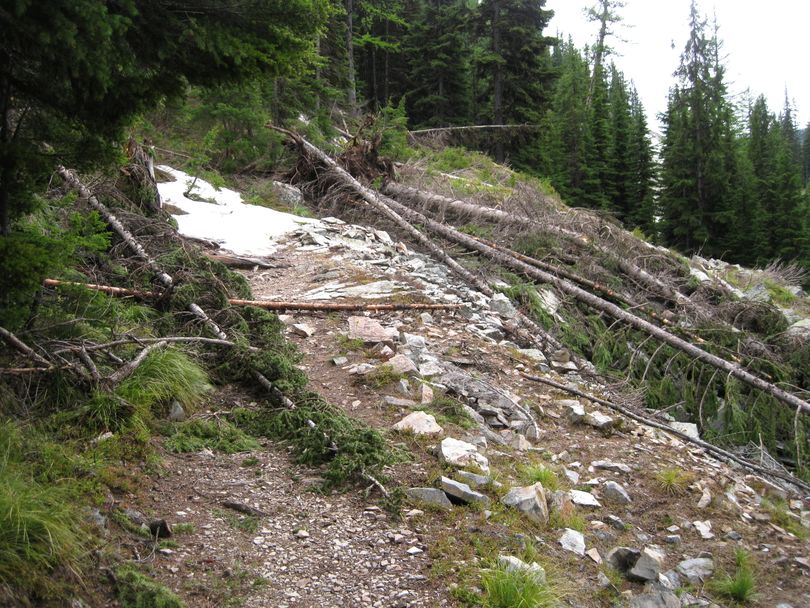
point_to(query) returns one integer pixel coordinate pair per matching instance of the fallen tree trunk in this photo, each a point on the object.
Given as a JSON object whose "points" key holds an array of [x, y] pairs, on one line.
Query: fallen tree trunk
{"points": [[391, 209], [724, 454], [406, 193], [606, 307], [529, 331], [269, 305]]}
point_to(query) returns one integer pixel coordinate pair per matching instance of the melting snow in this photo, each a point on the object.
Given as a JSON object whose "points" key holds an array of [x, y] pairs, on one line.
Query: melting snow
{"points": [[238, 227]]}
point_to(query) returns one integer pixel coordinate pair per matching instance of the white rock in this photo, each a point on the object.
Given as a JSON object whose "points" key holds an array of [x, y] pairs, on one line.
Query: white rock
{"points": [[616, 493], [370, 331], [461, 454], [696, 570], [402, 365], [501, 304], [419, 423], [704, 528], [649, 564], [510, 563], [303, 329], [574, 541], [462, 491], [687, 428], [529, 500], [606, 465], [584, 499], [598, 420], [705, 499]]}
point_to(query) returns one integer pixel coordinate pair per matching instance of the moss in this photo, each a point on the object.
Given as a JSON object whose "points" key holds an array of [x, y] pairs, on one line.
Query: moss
{"points": [[136, 590]]}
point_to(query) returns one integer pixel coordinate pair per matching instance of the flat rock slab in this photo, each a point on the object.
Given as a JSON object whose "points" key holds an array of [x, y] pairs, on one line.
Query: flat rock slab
{"points": [[649, 564], [431, 496], [529, 500], [573, 541], [370, 331], [475, 480], [598, 420], [462, 454], [658, 598], [584, 499], [419, 423], [462, 491], [607, 465]]}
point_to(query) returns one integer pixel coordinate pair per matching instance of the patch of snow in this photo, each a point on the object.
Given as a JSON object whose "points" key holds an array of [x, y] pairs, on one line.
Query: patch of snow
{"points": [[238, 227]]}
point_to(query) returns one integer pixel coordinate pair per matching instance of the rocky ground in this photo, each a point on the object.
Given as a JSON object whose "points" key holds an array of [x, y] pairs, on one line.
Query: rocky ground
{"points": [[623, 514]]}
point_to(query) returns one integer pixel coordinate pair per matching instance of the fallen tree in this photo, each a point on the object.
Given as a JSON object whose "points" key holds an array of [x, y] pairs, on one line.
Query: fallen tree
{"points": [[402, 215]]}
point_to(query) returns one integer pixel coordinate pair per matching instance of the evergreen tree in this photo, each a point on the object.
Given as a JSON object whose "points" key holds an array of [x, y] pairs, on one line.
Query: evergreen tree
{"points": [[806, 155], [514, 64], [698, 150], [618, 182], [437, 54], [641, 188]]}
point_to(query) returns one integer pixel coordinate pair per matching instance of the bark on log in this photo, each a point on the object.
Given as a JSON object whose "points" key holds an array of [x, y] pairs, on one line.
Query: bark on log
{"points": [[658, 425], [20, 346], [125, 372], [658, 287], [473, 128]]}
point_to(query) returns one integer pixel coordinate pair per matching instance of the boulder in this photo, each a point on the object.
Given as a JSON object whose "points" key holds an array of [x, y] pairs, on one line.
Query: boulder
{"points": [[402, 365], [649, 564], [607, 465], [656, 598], [615, 492], [573, 410], [584, 499], [623, 558], [475, 480], [529, 500], [304, 330], [431, 496], [501, 304], [462, 454], [462, 492], [687, 428], [598, 420], [704, 528], [419, 423]]}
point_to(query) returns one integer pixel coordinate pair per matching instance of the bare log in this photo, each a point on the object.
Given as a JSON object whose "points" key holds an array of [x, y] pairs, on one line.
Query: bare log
{"points": [[236, 261], [125, 372], [133, 340], [475, 128], [71, 180], [21, 347], [713, 449], [270, 305], [406, 193]]}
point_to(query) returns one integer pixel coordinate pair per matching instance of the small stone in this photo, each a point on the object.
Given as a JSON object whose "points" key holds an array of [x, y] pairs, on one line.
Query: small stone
{"points": [[705, 499], [414, 551], [673, 539], [404, 387], [648, 565], [584, 499], [510, 563], [615, 522], [432, 496], [426, 318], [674, 529], [687, 428], [573, 410], [304, 330], [529, 500], [160, 528], [520, 443], [501, 304], [735, 536], [426, 394], [339, 361], [603, 581], [614, 492], [419, 423], [176, 412], [461, 454], [696, 570], [803, 562], [704, 528], [399, 401], [572, 476], [598, 420], [302, 534], [573, 541], [594, 555], [401, 364], [463, 492], [607, 465]]}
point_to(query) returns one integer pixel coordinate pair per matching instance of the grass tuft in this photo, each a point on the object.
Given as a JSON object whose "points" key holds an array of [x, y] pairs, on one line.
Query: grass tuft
{"points": [[538, 473], [516, 589], [219, 435], [166, 374], [674, 480], [741, 586], [136, 590]]}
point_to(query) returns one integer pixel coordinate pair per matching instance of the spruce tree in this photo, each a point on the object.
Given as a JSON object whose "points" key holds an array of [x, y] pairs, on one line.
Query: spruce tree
{"points": [[641, 188]]}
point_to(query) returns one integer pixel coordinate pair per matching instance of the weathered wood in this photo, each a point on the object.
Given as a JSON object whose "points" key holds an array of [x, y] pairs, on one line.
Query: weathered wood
{"points": [[126, 371], [21, 347], [108, 289], [475, 128], [709, 447]]}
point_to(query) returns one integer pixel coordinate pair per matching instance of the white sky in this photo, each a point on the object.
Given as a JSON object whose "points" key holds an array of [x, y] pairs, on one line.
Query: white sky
{"points": [[766, 46]]}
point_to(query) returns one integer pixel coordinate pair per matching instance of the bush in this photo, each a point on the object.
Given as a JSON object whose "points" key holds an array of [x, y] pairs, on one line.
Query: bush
{"points": [[218, 435]]}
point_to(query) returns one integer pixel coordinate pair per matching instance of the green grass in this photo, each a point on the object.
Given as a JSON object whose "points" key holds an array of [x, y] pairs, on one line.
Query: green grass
{"points": [[674, 480], [218, 435], [348, 344], [448, 409], [380, 377], [568, 520], [183, 528], [780, 515], [740, 586], [248, 524], [779, 294], [538, 473], [516, 589], [136, 590]]}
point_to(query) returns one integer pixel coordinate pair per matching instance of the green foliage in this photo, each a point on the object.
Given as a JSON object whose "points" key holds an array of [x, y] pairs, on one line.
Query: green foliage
{"points": [[571, 520], [249, 524], [781, 516], [218, 435], [740, 586], [182, 529], [516, 588], [136, 590], [674, 480], [380, 377], [393, 126], [538, 473], [166, 374], [347, 447], [451, 410]]}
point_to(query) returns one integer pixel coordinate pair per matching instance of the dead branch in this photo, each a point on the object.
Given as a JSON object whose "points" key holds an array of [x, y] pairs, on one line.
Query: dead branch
{"points": [[108, 289], [20, 346], [236, 261], [133, 340], [125, 372], [658, 425], [475, 128]]}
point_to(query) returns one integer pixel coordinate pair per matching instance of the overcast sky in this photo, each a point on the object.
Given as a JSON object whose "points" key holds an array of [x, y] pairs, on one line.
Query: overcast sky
{"points": [[766, 46]]}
